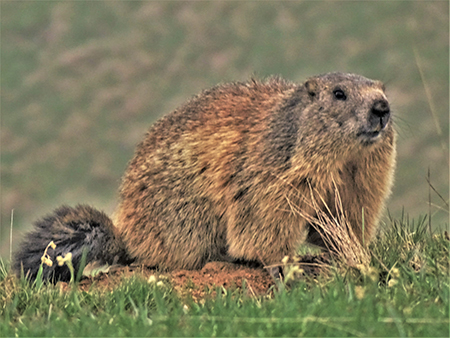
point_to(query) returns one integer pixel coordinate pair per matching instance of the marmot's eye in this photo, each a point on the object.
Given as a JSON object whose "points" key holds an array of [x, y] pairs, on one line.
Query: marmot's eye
{"points": [[339, 94]]}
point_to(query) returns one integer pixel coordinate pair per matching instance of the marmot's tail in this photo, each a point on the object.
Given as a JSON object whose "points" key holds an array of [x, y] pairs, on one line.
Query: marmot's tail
{"points": [[73, 230]]}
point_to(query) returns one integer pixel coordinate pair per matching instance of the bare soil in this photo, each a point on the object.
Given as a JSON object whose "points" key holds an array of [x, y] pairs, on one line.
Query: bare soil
{"points": [[198, 283]]}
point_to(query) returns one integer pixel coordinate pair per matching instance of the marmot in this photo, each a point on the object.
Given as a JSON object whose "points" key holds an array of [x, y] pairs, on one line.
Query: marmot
{"points": [[216, 178]]}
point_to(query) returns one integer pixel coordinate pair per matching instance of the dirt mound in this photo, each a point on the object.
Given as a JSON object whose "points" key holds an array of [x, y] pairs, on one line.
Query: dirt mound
{"points": [[195, 282], [198, 283], [220, 274]]}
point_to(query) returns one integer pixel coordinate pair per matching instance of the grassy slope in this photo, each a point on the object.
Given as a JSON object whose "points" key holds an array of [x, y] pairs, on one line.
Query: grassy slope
{"points": [[406, 294], [82, 81]]}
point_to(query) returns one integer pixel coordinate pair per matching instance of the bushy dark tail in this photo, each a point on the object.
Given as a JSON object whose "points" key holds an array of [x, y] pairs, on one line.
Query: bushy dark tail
{"points": [[73, 230]]}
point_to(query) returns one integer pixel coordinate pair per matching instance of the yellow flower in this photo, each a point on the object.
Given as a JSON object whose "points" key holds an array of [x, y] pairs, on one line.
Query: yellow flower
{"points": [[293, 272], [395, 273], [359, 292], [47, 261], [67, 258], [392, 282]]}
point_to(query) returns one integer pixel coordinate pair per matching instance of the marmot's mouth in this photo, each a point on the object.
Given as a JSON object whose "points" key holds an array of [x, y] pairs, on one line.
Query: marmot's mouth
{"points": [[369, 137]]}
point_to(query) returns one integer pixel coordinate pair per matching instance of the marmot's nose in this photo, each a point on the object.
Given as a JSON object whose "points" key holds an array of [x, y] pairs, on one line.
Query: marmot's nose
{"points": [[380, 113]]}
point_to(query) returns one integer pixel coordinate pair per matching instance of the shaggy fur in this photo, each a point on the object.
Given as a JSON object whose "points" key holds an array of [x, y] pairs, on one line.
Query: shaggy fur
{"points": [[220, 178]]}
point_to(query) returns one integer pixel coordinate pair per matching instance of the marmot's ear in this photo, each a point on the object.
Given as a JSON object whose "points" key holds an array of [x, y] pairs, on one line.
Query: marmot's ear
{"points": [[312, 87]]}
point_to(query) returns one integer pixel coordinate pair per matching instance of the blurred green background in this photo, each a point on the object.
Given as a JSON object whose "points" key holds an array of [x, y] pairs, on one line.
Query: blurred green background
{"points": [[81, 81]]}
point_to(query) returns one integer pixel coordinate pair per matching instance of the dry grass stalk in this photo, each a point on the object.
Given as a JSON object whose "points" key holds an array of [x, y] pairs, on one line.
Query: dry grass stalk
{"points": [[336, 232]]}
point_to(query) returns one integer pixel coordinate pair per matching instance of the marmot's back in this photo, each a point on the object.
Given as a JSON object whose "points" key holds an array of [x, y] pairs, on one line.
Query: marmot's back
{"points": [[220, 178]]}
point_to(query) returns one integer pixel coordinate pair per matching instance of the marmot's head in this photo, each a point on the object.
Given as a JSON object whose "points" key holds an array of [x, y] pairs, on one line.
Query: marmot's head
{"points": [[348, 108]]}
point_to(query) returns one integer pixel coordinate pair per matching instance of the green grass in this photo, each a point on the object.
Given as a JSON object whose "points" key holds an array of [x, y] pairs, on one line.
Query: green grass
{"points": [[405, 293]]}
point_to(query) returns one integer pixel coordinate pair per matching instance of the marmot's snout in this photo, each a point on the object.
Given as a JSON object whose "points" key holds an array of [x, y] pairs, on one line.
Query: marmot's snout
{"points": [[376, 122], [379, 114]]}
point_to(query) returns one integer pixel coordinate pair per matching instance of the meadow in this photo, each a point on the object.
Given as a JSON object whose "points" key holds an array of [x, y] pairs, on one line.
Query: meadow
{"points": [[403, 293], [82, 81]]}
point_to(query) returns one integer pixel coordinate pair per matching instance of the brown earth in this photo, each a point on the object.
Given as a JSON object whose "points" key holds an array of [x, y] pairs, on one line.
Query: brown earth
{"points": [[198, 283]]}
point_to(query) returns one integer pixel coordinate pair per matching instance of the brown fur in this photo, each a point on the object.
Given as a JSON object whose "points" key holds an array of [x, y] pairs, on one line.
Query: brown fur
{"points": [[218, 178], [235, 174]]}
